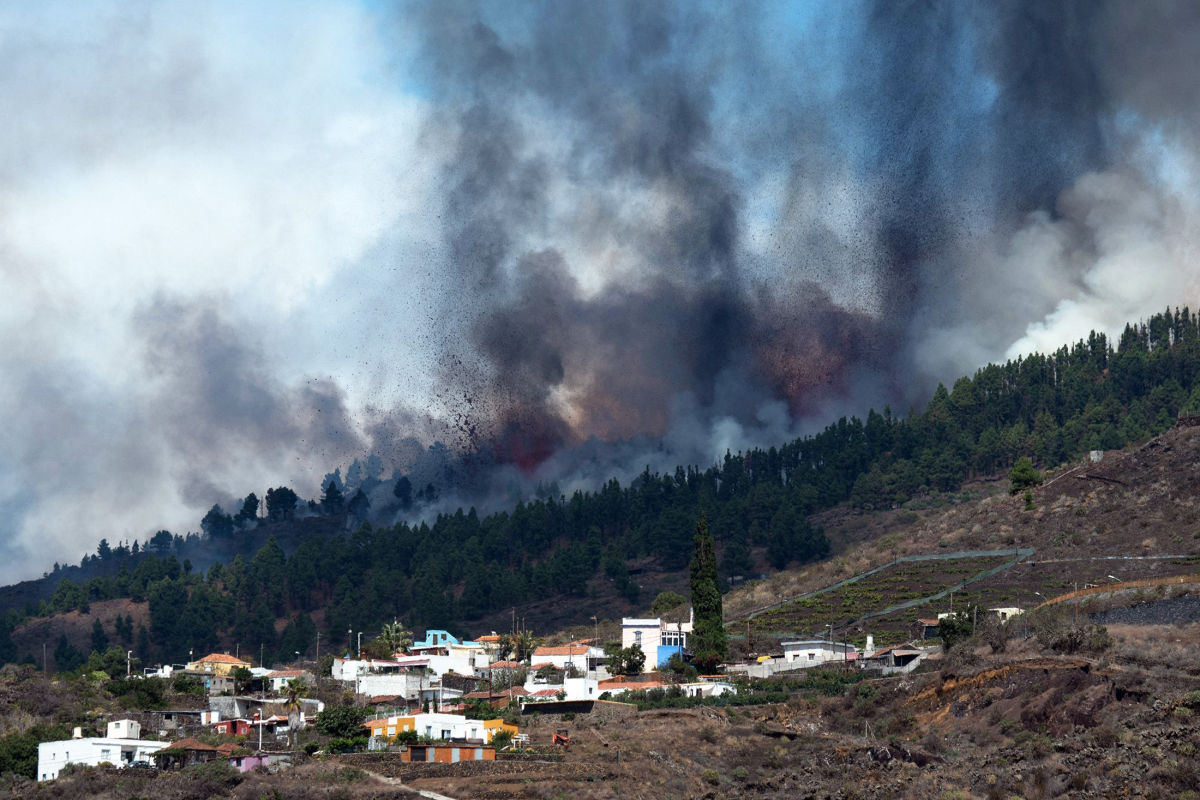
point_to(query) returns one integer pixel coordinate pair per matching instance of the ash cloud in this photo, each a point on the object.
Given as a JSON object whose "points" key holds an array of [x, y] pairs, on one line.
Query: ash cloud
{"points": [[924, 204]]}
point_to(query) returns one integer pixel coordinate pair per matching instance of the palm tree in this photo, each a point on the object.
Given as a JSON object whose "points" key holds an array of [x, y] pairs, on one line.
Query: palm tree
{"points": [[294, 690], [396, 636], [525, 643]]}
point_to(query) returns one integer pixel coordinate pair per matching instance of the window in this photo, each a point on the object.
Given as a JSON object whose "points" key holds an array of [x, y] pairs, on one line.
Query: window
{"points": [[637, 638], [812, 656]]}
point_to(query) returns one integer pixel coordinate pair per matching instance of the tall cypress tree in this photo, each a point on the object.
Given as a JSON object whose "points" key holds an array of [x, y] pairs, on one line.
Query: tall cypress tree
{"points": [[710, 645]]}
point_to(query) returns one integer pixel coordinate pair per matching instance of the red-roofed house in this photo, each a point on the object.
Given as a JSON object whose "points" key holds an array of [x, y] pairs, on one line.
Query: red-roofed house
{"points": [[185, 753], [617, 686]]}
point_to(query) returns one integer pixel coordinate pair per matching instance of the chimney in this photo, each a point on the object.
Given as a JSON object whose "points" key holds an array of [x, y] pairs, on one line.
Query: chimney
{"points": [[870, 645]]}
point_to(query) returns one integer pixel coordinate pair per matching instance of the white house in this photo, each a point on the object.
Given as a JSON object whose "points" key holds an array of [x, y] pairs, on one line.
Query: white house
{"points": [[659, 640], [571, 688], [279, 678], [120, 747], [1004, 613], [436, 660], [814, 652], [435, 726], [446, 653], [580, 655], [707, 688]]}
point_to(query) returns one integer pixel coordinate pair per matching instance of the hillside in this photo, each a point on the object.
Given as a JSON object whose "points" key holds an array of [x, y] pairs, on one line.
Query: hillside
{"points": [[1051, 709], [1133, 515]]}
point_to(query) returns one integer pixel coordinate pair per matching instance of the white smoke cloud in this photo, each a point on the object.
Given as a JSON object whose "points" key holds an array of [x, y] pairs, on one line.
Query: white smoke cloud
{"points": [[245, 160], [1133, 246]]}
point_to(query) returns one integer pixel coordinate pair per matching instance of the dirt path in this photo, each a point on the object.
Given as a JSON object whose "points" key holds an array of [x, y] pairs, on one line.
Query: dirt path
{"points": [[399, 784]]}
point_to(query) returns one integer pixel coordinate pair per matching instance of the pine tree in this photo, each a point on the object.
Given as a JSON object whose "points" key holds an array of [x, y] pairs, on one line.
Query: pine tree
{"points": [[710, 645], [99, 637], [334, 501]]}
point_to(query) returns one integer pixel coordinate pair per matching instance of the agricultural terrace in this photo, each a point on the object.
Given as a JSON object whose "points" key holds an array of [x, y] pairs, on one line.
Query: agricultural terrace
{"points": [[886, 601]]}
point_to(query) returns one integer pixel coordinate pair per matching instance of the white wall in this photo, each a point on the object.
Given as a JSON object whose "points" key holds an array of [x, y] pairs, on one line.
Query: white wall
{"points": [[811, 653], [53, 756]]}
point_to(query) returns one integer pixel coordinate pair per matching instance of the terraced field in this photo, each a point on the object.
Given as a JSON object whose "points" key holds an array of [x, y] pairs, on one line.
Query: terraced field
{"points": [[887, 601]]}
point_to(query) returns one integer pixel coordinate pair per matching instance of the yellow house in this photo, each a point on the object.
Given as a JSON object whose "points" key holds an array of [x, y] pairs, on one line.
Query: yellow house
{"points": [[494, 726], [218, 664]]}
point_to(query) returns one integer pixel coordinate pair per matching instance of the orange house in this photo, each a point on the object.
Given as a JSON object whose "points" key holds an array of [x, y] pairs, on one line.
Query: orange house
{"points": [[447, 753]]}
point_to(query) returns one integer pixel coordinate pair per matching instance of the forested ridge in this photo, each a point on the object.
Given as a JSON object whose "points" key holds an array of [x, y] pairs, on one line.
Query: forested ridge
{"points": [[1051, 407]]}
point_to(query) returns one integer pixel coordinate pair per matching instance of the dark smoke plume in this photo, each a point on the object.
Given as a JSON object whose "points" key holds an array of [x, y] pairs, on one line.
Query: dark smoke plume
{"points": [[636, 132]]}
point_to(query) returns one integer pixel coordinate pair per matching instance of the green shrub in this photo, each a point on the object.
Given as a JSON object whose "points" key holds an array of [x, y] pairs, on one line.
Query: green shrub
{"points": [[1023, 476], [342, 721], [340, 744], [710, 776]]}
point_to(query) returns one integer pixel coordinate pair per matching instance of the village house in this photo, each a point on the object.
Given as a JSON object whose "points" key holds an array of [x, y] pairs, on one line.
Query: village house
{"points": [[278, 679], [500, 698], [446, 653], [233, 727], [447, 753], [707, 688], [255, 708], [895, 659], [580, 655], [615, 687], [217, 664], [569, 688], [815, 652], [214, 683], [1003, 613], [187, 753], [449, 727], [658, 639], [184, 719], [120, 746]]}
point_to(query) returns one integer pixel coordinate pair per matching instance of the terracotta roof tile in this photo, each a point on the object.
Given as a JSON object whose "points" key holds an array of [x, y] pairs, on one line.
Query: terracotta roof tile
{"points": [[221, 658], [573, 649]]}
